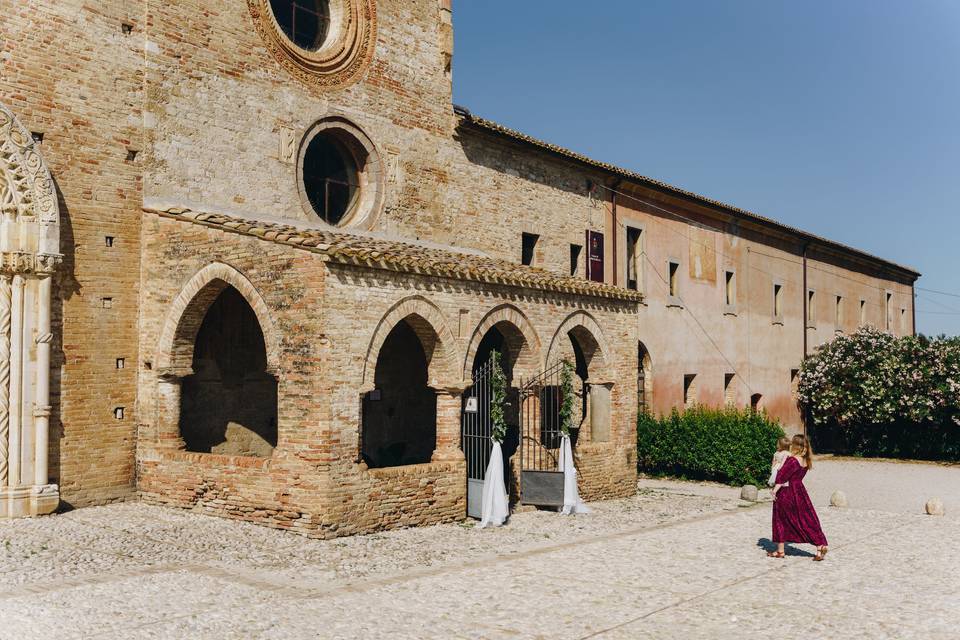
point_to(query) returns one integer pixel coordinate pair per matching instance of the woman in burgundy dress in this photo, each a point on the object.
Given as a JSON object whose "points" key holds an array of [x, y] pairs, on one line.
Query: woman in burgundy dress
{"points": [[794, 518]]}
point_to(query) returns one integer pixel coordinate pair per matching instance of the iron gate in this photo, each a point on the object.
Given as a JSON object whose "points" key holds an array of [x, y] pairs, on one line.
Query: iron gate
{"points": [[476, 429], [540, 399]]}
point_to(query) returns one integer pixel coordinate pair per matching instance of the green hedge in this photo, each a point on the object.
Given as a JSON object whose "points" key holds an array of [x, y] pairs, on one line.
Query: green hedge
{"points": [[728, 445]]}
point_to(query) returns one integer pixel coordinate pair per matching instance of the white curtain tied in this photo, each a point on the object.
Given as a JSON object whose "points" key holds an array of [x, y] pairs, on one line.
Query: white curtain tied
{"points": [[571, 496], [496, 506]]}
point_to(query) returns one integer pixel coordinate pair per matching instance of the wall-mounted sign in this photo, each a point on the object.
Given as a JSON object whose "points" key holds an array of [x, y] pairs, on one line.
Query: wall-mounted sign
{"points": [[471, 405]]}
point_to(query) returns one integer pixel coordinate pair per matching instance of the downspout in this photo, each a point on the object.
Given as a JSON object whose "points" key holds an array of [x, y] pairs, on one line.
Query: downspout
{"points": [[913, 306], [616, 231], [804, 418]]}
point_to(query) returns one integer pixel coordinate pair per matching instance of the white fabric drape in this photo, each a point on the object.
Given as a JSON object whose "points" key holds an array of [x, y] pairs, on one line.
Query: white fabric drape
{"points": [[571, 496], [496, 506]]}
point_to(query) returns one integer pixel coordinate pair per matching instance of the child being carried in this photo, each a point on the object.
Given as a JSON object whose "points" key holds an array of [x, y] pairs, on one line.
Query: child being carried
{"points": [[783, 452]]}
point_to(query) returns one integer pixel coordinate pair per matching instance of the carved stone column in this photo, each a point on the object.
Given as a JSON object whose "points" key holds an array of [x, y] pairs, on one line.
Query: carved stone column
{"points": [[449, 407], [5, 293]]}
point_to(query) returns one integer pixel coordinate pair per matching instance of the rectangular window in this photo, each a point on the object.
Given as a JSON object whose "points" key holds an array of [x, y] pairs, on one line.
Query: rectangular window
{"points": [[529, 252], [689, 390], [778, 302], [729, 293], [863, 312], [811, 307], [575, 251], [729, 389], [674, 270], [903, 320], [634, 258], [886, 311], [838, 314]]}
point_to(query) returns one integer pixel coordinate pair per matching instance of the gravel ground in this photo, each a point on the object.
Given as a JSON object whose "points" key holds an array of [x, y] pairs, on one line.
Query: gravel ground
{"points": [[683, 560]]}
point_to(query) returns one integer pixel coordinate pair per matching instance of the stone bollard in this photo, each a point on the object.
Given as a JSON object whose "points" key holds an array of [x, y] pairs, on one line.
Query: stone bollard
{"points": [[838, 499], [748, 493], [934, 507]]}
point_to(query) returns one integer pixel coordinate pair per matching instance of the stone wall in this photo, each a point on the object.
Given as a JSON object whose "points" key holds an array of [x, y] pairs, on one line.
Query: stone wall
{"points": [[70, 73], [329, 322]]}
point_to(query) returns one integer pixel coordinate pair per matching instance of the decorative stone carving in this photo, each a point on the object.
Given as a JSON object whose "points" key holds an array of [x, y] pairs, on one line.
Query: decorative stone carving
{"points": [[342, 58], [29, 257]]}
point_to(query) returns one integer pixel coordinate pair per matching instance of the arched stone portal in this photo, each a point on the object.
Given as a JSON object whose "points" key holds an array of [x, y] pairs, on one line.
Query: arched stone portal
{"points": [[217, 368], [29, 257], [410, 399], [580, 342]]}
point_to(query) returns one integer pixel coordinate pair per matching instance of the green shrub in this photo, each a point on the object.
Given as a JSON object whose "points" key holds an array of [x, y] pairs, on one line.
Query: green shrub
{"points": [[728, 445]]}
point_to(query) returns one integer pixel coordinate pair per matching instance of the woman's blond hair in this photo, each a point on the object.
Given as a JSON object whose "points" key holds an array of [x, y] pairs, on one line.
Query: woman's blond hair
{"points": [[800, 447]]}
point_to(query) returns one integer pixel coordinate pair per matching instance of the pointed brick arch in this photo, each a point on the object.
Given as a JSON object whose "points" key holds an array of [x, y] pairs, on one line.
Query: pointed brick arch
{"points": [[431, 328], [175, 347], [585, 328], [522, 334]]}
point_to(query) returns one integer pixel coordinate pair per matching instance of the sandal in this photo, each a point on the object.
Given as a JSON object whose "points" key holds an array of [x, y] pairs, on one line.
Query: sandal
{"points": [[775, 554], [821, 554]]}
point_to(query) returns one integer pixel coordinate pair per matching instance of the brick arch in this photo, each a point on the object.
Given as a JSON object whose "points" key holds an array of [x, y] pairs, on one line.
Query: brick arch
{"points": [[586, 330], [521, 336], [431, 328], [175, 347]]}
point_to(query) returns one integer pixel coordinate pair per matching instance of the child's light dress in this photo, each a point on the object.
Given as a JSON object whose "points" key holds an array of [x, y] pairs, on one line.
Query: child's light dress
{"points": [[778, 459]]}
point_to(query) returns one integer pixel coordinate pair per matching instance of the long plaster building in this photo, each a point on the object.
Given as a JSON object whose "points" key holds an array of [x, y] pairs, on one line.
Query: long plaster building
{"points": [[254, 262]]}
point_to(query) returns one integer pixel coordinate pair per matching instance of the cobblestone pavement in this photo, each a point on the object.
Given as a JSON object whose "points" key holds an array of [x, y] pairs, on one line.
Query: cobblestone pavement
{"points": [[664, 564]]}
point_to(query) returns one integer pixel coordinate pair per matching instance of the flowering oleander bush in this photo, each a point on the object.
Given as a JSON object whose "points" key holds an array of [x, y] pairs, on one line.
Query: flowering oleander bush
{"points": [[729, 445], [871, 393]]}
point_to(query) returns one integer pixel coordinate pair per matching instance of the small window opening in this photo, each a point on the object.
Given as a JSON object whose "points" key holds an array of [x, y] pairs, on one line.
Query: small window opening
{"points": [[729, 295], [838, 313], [120, 363], [37, 136], [674, 276], [689, 390], [108, 241], [132, 155], [528, 251], [126, 28], [304, 22], [863, 312], [778, 301], [575, 251], [729, 390], [886, 311], [106, 303], [811, 314], [118, 413], [331, 177], [634, 257], [755, 401]]}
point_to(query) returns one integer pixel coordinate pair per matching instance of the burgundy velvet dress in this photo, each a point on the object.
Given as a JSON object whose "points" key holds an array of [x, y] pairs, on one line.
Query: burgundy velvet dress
{"points": [[794, 518]]}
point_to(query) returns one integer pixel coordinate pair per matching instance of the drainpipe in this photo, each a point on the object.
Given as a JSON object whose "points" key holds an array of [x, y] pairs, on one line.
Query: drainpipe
{"points": [[913, 306], [805, 418], [616, 231]]}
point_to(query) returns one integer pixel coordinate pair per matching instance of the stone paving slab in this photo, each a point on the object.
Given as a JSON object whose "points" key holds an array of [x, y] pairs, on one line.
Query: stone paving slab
{"points": [[660, 565]]}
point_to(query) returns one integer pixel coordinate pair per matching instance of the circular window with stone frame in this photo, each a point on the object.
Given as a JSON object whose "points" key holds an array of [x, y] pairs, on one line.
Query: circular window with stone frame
{"points": [[325, 43], [339, 174]]}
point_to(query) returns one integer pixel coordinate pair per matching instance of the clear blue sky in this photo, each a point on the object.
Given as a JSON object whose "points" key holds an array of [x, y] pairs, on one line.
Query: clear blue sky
{"points": [[841, 118]]}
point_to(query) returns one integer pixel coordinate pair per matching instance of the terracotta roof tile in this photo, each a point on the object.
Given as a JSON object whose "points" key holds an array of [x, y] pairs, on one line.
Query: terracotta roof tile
{"points": [[392, 255]]}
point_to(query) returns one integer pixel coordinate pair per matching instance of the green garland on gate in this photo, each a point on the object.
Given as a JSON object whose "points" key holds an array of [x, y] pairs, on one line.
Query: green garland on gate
{"points": [[566, 398], [499, 388]]}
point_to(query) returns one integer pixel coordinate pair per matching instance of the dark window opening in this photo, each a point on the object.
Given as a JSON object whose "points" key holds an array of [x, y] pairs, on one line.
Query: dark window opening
{"points": [[728, 288], [777, 300], [529, 250], [689, 390], [400, 414], [575, 251], [755, 400], [229, 403], [674, 279], [330, 177], [633, 258], [305, 22]]}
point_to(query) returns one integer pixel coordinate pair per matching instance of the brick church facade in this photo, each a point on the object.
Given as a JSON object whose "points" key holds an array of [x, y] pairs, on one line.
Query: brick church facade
{"points": [[253, 258]]}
